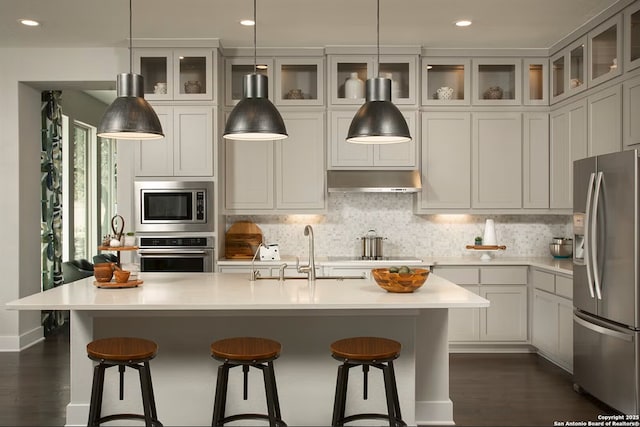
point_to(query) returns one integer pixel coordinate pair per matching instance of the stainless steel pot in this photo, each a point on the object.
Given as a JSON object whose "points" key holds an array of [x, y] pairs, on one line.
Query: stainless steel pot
{"points": [[372, 246]]}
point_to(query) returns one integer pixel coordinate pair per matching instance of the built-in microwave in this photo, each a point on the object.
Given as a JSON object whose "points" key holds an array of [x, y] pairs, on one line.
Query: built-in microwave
{"points": [[166, 206]]}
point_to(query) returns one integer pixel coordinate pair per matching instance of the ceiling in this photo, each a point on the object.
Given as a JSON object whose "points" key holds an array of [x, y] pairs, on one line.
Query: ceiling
{"points": [[298, 23]]}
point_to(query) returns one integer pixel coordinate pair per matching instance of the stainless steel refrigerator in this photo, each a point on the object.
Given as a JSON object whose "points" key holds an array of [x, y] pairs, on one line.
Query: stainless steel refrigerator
{"points": [[606, 295]]}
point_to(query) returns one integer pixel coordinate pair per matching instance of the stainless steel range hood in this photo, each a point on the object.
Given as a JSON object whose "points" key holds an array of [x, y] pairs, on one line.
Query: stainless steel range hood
{"points": [[378, 181]]}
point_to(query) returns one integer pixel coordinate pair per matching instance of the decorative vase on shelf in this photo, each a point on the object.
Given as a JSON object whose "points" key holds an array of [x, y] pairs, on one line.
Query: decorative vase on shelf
{"points": [[192, 86], [353, 87], [494, 92]]}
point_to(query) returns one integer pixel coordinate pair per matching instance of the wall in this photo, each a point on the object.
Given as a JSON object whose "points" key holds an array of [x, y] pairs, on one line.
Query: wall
{"points": [[23, 73], [351, 215]]}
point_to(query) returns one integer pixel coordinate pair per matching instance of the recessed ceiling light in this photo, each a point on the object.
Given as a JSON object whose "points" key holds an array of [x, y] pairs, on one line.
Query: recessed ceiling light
{"points": [[29, 22], [247, 22], [463, 23]]}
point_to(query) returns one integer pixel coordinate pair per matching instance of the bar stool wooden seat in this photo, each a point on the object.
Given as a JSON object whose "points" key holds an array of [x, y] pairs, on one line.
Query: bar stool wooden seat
{"points": [[246, 352], [122, 352], [366, 352]]}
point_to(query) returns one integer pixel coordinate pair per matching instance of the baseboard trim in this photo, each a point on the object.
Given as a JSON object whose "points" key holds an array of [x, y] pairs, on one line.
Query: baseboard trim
{"points": [[434, 413], [14, 343], [77, 414], [491, 348]]}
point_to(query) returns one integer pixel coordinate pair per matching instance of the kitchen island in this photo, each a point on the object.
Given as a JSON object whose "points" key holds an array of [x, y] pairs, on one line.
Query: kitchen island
{"points": [[184, 313]]}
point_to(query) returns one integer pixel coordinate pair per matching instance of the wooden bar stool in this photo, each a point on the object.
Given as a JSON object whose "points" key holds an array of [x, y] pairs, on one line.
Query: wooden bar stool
{"points": [[122, 352], [246, 352], [366, 352]]}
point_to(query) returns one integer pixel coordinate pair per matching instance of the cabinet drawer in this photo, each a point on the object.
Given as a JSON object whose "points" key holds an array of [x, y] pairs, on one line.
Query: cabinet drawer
{"points": [[503, 275], [459, 275], [564, 286], [543, 280]]}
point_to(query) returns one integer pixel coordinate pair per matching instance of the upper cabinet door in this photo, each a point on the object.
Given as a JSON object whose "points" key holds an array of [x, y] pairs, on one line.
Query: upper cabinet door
{"points": [[605, 51], [299, 81], [569, 70], [497, 81], [347, 77], [402, 71], [237, 68], [632, 37], [176, 74], [536, 81], [446, 81]]}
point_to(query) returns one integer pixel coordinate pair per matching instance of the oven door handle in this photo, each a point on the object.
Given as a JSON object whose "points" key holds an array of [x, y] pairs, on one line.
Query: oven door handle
{"points": [[173, 253]]}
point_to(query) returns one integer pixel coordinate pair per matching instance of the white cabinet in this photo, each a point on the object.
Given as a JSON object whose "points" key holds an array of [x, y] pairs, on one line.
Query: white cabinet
{"points": [[185, 73], [299, 81], [401, 69], [285, 175], [446, 161], [446, 81], [605, 51], [497, 153], [497, 81], [346, 155], [631, 111], [505, 320], [234, 71], [187, 148], [568, 143], [605, 121], [632, 37], [535, 160], [552, 317], [569, 70], [536, 81]]}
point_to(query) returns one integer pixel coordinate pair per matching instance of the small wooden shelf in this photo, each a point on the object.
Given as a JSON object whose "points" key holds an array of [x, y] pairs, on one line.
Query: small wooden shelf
{"points": [[118, 249]]}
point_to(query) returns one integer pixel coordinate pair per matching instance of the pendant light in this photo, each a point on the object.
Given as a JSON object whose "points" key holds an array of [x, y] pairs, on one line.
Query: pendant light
{"points": [[130, 116], [255, 118], [378, 121]]}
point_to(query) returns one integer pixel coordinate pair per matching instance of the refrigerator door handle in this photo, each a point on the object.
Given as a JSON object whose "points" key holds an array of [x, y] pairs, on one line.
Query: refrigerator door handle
{"points": [[594, 234], [602, 330], [587, 234]]}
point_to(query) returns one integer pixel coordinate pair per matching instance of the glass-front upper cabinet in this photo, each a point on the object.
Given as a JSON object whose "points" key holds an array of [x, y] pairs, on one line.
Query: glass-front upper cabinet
{"points": [[348, 75], [497, 81], [237, 68], [445, 81], [605, 49], [299, 81], [569, 70], [632, 36], [536, 81], [176, 74]]}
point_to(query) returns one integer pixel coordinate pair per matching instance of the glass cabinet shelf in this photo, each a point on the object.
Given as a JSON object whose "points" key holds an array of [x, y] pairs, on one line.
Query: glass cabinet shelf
{"points": [[632, 37], [299, 81], [605, 49], [445, 81], [497, 81], [343, 68]]}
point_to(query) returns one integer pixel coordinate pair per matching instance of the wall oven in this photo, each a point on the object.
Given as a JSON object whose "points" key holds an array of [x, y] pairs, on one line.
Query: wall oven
{"points": [[176, 254], [174, 206]]}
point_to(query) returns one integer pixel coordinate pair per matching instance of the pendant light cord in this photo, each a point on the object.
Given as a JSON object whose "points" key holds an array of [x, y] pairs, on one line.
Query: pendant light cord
{"points": [[378, 32], [255, 54], [130, 39]]}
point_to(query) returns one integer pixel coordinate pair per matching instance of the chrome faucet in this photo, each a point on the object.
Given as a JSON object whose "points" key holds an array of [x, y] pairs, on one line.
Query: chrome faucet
{"points": [[310, 269], [254, 274]]}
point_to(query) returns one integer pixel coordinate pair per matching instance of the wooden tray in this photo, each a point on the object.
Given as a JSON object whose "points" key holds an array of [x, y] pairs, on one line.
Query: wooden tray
{"points": [[242, 240], [487, 247], [117, 285]]}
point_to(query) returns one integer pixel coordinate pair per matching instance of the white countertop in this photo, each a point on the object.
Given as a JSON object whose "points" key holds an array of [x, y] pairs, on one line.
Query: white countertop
{"points": [[557, 265], [230, 291]]}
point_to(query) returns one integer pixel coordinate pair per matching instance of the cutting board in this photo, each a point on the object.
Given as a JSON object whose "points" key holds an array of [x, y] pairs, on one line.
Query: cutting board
{"points": [[242, 240]]}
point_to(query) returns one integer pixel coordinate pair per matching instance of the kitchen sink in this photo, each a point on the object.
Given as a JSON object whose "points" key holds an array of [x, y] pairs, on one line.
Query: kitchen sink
{"points": [[305, 278]]}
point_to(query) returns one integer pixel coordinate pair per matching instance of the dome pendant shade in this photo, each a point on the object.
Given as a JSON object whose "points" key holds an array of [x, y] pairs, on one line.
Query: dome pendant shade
{"points": [[130, 116], [378, 121], [255, 118]]}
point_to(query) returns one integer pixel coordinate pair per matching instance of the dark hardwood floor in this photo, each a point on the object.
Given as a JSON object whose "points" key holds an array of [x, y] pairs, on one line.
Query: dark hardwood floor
{"points": [[487, 389]]}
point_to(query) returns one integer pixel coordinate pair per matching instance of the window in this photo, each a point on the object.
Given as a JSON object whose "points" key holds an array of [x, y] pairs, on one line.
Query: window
{"points": [[89, 189]]}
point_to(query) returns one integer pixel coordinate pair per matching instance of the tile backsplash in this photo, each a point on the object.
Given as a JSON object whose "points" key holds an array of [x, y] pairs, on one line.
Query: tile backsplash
{"points": [[351, 215]]}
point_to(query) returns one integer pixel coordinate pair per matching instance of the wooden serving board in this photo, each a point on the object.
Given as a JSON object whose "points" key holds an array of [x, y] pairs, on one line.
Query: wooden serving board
{"points": [[117, 285], [487, 247], [242, 240]]}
